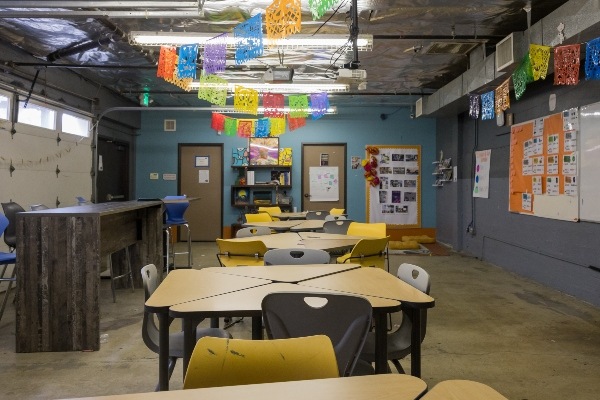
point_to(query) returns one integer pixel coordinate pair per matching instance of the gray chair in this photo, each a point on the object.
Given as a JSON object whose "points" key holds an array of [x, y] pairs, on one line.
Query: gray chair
{"points": [[150, 330], [334, 217], [6, 259], [10, 234], [346, 319], [398, 342], [316, 214], [253, 231], [296, 257], [339, 226], [37, 207]]}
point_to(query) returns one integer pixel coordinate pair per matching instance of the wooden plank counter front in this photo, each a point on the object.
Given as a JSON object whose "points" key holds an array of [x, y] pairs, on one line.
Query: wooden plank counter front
{"points": [[59, 255]]}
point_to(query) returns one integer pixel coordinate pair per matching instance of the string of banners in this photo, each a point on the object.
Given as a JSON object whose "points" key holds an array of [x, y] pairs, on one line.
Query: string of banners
{"points": [[533, 67]]}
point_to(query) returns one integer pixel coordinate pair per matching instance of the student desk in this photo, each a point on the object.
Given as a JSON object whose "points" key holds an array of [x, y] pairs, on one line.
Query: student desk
{"points": [[279, 226], [304, 240], [290, 215], [371, 387], [59, 254]]}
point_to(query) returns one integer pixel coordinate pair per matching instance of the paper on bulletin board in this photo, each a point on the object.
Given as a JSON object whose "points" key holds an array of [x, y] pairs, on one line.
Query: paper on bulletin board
{"points": [[324, 184], [481, 187], [203, 176]]}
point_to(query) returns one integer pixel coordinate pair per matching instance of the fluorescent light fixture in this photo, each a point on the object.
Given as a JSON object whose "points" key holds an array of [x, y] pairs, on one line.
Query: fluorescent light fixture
{"points": [[294, 87], [294, 42], [261, 110]]}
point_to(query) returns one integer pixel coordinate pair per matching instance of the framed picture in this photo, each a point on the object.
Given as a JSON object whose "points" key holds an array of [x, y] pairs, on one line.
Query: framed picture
{"points": [[263, 151]]}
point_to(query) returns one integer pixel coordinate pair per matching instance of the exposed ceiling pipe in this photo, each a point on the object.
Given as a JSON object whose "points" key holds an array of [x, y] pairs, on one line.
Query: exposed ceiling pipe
{"points": [[102, 3], [78, 48]]}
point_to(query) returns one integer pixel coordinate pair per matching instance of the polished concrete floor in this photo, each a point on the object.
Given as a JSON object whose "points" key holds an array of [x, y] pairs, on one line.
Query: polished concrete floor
{"points": [[525, 340]]}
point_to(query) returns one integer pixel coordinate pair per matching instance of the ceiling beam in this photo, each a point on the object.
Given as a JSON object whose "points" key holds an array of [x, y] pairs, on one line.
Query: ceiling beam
{"points": [[99, 3], [94, 14]]}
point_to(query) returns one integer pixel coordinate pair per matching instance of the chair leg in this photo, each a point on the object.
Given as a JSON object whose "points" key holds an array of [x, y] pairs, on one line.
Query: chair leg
{"points": [[129, 270], [167, 248], [112, 280], [189, 243], [398, 366], [10, 282]]}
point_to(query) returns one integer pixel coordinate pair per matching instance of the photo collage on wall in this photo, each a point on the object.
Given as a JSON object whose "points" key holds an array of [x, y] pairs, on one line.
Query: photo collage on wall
{"points": [[398, 173]]}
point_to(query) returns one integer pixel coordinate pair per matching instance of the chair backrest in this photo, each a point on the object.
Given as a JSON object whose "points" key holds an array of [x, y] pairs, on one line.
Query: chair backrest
{"points": [[233, 253], [37, 207], [337, 211], [345, 319], [339, 226], [296, 257], [377, 229], [10, 233], [253, 231], [175, 211], [271, 211], [258, 217], [3, 223], [81, 201], [333, 217], [418, 278], [227, 362], [149, 329], [316, 214], [369, 252]]}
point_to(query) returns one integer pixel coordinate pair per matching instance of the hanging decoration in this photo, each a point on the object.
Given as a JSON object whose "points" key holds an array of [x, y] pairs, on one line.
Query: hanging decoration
{"points": [[273, 104], [592, 59], [182, 83], [249, 39], [566, 64], [277, 126], [502, 96], [318, 8], [245, 127], [369, 164], [283, 18], [218, 122], [540, 58], [230, 126], [298, 105], [213, 89], [245, 100], [215, 52], [474, 106], [319, 103], [522, 76], [295, 123], [487, 106], [166, 62], [262, 127], [188, 54]]}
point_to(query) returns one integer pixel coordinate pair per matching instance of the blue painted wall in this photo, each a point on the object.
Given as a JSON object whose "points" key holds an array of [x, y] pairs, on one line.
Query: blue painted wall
{"points": [[156, 151]]}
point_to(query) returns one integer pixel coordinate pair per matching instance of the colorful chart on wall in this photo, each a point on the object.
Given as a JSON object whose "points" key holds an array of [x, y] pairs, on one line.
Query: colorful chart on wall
{"points": [[543, 175], [324, 183], [481, 184], [396, 199]]}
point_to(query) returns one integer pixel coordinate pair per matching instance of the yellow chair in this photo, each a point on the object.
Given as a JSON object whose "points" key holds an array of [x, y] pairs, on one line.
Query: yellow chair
{"points": [[235, 253], [368, 253], [377, 230], [219, 362], [271, 211], [337, 211], [260, 217]]}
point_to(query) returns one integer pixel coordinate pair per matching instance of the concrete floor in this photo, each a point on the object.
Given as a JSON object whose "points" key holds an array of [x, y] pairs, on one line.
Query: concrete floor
{"points": [[527, 341]]}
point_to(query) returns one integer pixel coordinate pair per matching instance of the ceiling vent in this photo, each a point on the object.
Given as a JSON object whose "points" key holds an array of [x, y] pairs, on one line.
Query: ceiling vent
{"points": [[458, 48], [419, 108], [170, 125], [506, 51]]}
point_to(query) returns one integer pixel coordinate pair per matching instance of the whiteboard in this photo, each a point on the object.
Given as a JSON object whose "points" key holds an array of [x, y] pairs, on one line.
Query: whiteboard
{"points": [[589, 174], [324, 184]]}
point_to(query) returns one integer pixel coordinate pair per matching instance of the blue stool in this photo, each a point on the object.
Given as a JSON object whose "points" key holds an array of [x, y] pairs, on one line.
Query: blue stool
{"points": [[175, 207], [5, 260]]}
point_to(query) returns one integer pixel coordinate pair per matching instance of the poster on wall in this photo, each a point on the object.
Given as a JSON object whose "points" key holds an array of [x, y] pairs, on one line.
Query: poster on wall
{"points": [[324, 184], [393, 176], [481, 185]]}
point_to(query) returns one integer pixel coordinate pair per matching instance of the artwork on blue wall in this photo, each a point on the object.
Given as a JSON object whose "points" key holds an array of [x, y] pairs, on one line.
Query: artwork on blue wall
{"points": [[240, 156]]}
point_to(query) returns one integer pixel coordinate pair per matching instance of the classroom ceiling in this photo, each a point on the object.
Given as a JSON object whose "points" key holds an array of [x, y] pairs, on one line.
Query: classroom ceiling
{"points": [[419, 45]]}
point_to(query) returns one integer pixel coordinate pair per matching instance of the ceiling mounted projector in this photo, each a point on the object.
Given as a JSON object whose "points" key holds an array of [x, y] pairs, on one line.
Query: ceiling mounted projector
{"points": [[279, 74]]}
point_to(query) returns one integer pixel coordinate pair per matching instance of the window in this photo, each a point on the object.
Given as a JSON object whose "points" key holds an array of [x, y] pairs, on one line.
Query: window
{"points": [[4, 106], [37, 115], [79, 126]]}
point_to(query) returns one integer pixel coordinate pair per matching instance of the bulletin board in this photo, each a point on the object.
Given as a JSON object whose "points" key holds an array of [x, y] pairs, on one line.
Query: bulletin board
{"points": [[396, 199], [543, 176]]}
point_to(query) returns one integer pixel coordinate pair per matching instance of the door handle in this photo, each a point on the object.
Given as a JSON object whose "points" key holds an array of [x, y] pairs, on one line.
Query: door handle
{"points": [[306, 195], [110, 197]]}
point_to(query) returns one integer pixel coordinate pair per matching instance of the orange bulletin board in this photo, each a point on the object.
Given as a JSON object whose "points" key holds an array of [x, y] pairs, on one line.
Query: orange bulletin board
{"points": [[543, 169]]}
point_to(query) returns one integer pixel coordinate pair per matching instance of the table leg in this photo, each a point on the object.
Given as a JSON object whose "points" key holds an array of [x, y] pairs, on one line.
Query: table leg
{"points": [[214, 322], [415, 341], [163, 351], [189, 340], [381, 366], [257, 332]]}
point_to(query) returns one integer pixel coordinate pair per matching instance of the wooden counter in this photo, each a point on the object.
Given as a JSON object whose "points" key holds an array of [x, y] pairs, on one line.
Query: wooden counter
{"points": [[59, 256]]}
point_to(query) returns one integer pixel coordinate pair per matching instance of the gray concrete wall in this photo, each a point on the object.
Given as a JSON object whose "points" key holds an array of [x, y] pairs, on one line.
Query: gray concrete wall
{"points": [[555, 253]]}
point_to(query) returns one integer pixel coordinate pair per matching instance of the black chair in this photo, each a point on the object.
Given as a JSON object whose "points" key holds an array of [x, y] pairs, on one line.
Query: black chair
{"points": [[10, 234]]}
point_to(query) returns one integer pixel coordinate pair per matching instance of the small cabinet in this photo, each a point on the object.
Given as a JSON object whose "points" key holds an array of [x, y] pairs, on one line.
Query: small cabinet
{"points": [[442, 171], [262, 186]]}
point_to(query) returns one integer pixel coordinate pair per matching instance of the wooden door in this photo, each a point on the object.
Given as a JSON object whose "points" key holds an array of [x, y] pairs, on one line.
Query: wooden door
{"points": [[113, 171], [201, 178], [326, 156]]}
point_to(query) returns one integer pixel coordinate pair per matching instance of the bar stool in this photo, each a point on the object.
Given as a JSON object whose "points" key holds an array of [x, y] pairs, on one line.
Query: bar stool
{"points": [[6, 259], [127, 273], [175, 207]]}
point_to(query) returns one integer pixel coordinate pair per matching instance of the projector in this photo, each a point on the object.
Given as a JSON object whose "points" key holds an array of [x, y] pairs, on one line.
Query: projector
{"points": [[351, 75], [279, 74]]}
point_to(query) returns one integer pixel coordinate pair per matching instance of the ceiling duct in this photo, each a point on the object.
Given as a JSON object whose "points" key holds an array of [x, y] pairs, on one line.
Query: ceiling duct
{"points": [[508, 50], [458, 48]]}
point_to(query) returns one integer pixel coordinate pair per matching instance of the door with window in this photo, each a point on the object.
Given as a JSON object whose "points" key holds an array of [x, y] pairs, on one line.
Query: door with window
{"points": [[323, 176], [201, 179], [113, 171]]}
